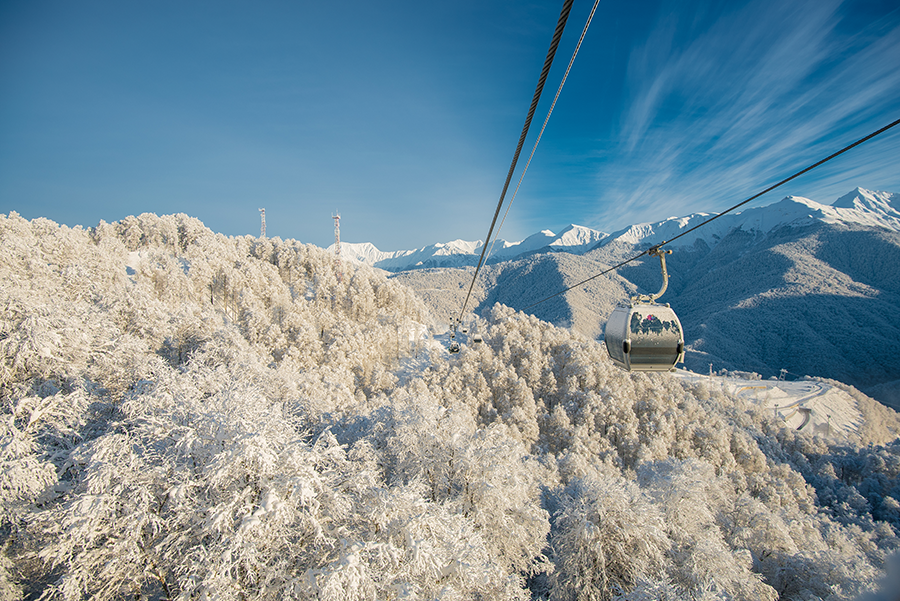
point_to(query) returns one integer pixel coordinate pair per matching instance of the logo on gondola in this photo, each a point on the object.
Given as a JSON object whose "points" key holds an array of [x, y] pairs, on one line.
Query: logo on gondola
{"points": [[651, 324]]}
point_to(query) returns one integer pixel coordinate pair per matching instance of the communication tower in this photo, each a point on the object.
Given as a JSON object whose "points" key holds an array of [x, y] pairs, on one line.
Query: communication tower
{"points": [[262, 228], [338, 266]]}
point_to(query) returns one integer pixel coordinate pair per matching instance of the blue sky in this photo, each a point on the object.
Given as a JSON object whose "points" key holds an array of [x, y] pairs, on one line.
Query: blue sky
{"points": [[403, 116]]}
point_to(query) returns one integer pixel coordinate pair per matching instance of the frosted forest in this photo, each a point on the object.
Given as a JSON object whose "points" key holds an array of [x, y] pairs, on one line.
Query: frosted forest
{"points": [[187, 415]]}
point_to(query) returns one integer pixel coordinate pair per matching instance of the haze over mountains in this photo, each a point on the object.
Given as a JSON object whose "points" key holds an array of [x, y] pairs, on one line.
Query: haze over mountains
{"points": [[796, 285]]}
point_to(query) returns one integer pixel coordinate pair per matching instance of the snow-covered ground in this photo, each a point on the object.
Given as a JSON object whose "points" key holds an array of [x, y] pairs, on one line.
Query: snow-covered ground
{"points": [[808, 405]]}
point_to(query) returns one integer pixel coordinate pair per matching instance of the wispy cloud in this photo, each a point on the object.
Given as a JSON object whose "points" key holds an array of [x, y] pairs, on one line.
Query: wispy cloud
{"points": [[750, 97]]}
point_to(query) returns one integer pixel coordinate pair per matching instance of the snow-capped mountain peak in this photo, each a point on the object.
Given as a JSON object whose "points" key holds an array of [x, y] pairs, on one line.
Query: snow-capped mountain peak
{"points": [[577, 238], [458, 247], [867, 201], [529, 244]]}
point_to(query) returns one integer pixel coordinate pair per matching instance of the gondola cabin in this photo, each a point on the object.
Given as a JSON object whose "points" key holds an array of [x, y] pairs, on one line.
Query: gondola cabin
{"points": [[644, 337]]}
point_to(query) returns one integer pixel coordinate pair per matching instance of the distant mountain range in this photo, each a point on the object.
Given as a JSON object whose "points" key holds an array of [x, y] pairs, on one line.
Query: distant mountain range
{"points": [[797, 285], [859, 207], [460, 253]]}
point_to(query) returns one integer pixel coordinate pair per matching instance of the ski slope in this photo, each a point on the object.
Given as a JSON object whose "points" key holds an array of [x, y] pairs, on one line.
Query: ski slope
{"points": [[808, 405]]}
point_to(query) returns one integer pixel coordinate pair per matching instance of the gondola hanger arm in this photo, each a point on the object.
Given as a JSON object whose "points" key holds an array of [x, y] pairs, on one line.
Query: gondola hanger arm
{"points": [[658, 252]]}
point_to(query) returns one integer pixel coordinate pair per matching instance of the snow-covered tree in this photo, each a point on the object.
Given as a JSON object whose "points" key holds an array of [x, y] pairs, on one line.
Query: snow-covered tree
{"points": [[187, 415]]}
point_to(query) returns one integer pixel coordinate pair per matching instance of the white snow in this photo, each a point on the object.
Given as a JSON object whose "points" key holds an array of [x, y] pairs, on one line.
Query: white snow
{"points": [[134, 260], [808, 405]]}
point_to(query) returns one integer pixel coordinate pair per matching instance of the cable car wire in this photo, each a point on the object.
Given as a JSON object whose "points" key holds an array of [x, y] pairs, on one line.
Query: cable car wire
{"points": [[551, 53], [538, 140], [711, 219]]}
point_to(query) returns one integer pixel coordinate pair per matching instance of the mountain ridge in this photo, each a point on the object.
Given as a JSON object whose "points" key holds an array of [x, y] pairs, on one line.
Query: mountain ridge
{"points": [[858, 207]]}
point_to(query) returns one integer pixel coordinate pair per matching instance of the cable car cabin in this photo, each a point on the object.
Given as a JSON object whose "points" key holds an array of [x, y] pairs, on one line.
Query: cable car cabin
{"points": [[644, 337], [454, 347]]}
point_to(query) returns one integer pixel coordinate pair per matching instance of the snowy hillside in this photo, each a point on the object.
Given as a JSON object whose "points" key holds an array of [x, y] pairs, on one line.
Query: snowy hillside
{"points": [[191, 416]]}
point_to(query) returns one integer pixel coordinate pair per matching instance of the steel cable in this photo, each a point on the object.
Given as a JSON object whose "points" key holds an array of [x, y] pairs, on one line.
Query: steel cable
{"points": [[538, 140], [551, 53]]}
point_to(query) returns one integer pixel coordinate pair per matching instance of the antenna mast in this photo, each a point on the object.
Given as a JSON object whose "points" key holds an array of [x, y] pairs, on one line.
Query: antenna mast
{"points": [[338, 266], [262, 228]]}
